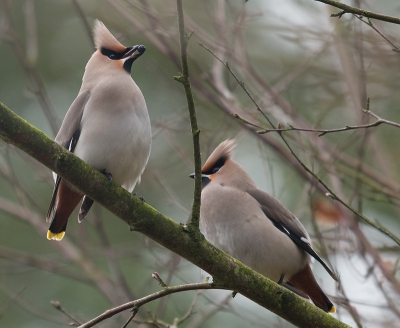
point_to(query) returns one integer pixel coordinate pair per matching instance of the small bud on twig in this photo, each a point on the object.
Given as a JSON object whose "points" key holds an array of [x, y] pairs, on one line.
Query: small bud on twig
{"points": [[157, 277]]}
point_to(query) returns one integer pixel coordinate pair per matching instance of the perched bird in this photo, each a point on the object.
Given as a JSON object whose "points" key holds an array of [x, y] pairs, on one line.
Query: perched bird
{"points": [[256, 228], [107, 126]]}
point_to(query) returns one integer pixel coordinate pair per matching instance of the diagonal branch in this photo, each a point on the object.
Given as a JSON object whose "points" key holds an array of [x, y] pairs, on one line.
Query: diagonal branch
{"points": [[354, 10], [228, 273]]}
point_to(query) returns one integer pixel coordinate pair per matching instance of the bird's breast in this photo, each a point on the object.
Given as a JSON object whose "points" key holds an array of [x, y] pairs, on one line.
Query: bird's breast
{"points": [[116, 133]]}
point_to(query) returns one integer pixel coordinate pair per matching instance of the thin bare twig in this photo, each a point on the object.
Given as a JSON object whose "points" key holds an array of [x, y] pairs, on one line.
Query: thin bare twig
{"points": [[47, 265], [85, 22], [184, 78], [367, 111], [199, 321], [322, 132], [57, 306], [353, 10], [157, 277], [117, 275], [226, 64], [370, 24], [7, 305], [190, 310], [135, 305], [134, 311]]}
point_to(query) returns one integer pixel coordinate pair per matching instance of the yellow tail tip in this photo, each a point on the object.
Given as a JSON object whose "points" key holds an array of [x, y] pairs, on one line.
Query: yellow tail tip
{"points": [[332, 310], [55, 236]]}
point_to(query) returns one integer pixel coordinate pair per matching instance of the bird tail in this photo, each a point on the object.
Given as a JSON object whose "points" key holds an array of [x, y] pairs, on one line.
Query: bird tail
{"points": [[85, 207], [63, 202], [305, 281]]}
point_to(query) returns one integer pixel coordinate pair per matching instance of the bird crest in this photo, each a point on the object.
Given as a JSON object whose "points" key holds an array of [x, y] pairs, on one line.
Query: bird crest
{"points": [[104, 39], [222, 153]]}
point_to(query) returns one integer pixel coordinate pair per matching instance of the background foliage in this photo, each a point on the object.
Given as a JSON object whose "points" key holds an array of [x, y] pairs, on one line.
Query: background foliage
{"points": [[301, 66]]}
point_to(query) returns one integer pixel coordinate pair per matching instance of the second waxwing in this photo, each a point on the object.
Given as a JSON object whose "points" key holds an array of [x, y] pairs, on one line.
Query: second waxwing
{"points": [[107, 126], [256, 228]]}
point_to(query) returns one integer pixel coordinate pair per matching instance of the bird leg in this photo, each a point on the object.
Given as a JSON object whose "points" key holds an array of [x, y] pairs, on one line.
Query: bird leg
{"points": [[280, 282], [141, 198], [107, 174]]}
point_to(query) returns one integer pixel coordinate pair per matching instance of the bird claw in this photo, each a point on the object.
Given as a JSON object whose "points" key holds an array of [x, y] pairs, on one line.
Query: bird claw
{"points": [[107, 174]]}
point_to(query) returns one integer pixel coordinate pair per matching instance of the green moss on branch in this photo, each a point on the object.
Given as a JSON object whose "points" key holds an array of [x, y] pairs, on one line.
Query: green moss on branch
{"points": [[227, 272]]}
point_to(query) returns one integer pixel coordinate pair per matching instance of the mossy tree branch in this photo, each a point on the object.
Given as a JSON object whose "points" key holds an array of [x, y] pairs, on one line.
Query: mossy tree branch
{"points": [[228, 273]]}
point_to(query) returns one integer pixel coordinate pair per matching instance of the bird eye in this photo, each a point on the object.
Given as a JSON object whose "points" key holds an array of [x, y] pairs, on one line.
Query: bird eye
{"points": [[215, 170], [112, 56]]}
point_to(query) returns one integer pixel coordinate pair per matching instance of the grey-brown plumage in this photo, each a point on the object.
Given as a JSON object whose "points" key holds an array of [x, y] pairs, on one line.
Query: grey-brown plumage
{"points": [[107, 126], [255, 227]]}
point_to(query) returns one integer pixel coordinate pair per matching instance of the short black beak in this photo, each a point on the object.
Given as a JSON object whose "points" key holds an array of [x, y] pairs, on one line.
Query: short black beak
{"points": [[205, 179], [135, 52], [131, 55]]}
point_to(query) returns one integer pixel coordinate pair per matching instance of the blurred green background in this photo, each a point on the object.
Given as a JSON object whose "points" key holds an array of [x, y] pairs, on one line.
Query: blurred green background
{"points": [[301, 66]]}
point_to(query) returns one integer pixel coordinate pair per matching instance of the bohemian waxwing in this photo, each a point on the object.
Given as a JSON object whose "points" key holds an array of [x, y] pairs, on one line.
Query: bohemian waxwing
{"points": [[256, 228], [107, 126]]}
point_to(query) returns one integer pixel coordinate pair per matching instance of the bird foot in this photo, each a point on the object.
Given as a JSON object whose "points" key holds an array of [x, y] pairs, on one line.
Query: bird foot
{"points": [[141, 198], [107, 174]]}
